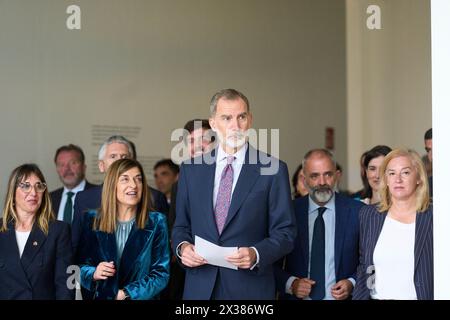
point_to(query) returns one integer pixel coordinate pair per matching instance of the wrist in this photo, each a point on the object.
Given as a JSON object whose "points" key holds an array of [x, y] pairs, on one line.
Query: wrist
{"points": [[294, 284], [181, 248]]}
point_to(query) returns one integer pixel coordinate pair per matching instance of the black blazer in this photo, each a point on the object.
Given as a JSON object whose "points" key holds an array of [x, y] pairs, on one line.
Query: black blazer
{"points": [[56, 196], [40, 274], [371, 224], [345, 242]]}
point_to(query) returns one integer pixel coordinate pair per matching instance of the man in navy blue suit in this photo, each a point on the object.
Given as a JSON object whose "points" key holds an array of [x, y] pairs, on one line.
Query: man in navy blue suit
{"points": [[114, 148], [232, 198], [71, 168], [324, 261]]}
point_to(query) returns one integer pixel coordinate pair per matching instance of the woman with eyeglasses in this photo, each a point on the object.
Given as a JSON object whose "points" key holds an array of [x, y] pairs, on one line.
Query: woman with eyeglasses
{"points": [[35, 249], [124, 246]]}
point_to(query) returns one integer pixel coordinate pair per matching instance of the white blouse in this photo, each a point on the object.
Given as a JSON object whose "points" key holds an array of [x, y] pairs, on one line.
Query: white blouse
{"points": [[22, 237], [393, 258]]}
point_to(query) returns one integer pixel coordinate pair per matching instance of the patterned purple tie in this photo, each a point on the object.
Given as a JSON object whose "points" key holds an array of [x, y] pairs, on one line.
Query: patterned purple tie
{"points": [[224, 195]]}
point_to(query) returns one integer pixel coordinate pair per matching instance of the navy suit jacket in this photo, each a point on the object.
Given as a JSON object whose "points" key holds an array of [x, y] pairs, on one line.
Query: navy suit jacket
{"points": [[143, 269], [260, 215], [371, 224], [40, 274], [91, 200], [56, 196], [345, 243]]}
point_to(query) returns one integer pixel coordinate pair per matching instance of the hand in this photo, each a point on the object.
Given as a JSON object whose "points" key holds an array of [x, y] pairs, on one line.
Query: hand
{"points": [[301, 288], [188, 256], [121, 295], [342, 289], [104, 270], [244, 258]]}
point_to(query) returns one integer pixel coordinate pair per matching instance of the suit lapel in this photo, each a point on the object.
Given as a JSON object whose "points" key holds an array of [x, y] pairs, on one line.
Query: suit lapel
{"points": [[205, 189], [35, 241], [423, 225], [247, 178], [107, 245], [11, 252], [303, 226], [375, 226], [57, 200], [136, 242], [341, 213]]}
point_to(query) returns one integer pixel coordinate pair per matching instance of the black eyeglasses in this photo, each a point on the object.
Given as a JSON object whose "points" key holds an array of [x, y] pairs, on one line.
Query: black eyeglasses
{"points": [[38, 186]]}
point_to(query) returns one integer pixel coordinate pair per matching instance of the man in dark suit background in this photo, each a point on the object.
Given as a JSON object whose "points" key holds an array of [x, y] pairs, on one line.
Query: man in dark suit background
{"points": [[197, 139], [230, 198], [324, 261], [71, 168]]}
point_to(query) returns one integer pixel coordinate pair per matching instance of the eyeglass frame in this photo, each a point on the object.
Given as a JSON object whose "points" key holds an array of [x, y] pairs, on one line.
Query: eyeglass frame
{"points": [[27, 185]]}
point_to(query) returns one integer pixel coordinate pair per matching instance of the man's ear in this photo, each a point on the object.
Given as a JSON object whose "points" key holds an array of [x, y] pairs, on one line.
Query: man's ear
{"points": [[101, 166], [212, 124], [303, 178]]}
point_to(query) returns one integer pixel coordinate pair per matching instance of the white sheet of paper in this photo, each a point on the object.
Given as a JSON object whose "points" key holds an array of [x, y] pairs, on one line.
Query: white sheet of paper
{"points": [[213, 253]]}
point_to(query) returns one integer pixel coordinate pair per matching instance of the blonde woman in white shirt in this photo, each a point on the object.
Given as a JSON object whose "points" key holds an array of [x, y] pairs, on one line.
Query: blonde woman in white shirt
{"points": [[396, 236]]}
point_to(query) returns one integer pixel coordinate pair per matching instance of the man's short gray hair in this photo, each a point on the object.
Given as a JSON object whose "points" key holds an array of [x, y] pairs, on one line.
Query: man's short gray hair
{"points": [[227, 94], [323, 152], [115, 139]]}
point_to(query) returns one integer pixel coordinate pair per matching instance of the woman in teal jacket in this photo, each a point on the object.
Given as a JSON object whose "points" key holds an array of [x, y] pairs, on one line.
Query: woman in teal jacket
{"points": [[124, 249]]}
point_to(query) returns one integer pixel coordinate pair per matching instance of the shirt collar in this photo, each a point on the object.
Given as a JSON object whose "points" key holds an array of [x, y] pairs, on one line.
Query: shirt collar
{"points": [[239, 155], [314, 206], [78, 188]]}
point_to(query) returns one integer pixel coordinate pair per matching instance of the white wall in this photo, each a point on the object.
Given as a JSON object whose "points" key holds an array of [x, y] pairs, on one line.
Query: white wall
{"points": [[155, 64], [388, 78], [441, 131]]}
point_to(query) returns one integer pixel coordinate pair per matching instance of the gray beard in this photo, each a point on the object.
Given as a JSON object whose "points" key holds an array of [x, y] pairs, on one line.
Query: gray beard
{"points": [[321, 196]]}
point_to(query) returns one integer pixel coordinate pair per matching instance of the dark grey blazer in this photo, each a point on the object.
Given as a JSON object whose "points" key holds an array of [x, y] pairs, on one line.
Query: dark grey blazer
{"points": [[371, 223]]}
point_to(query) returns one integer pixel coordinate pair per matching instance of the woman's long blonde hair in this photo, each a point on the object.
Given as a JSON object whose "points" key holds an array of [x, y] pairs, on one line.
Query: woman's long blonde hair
{"points": [[422, 193], [44, 213], [106, 219]]}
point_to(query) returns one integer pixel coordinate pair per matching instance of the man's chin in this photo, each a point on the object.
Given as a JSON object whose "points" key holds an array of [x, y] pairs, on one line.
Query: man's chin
{"points": [[323, 197], [235, 144]]}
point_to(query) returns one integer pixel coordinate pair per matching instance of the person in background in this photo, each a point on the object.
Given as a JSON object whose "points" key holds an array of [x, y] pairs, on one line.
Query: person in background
{"points": [[35, 248], [300, 189], [198, 139], [396, 236], [124, 252], [166, 174], [358, 195], [372, 162], [71, 169]]}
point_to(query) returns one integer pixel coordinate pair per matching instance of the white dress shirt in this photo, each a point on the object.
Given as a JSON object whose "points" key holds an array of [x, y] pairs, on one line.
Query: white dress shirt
{"points": [[221, 162], [62, 205]]}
